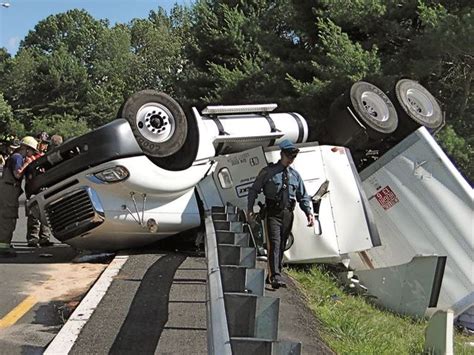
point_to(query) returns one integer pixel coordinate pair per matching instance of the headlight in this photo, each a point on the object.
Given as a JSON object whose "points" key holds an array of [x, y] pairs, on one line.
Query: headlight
{"points": [[115, 174]]}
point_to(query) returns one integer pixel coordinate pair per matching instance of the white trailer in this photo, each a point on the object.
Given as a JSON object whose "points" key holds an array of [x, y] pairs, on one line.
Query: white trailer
{"points": [[422, 206]]}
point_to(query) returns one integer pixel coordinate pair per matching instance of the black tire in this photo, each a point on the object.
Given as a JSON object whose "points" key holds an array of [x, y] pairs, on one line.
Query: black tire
{"points": [[157, 121], [415, 107], [186, 156], [375, 117], [374, 109]]}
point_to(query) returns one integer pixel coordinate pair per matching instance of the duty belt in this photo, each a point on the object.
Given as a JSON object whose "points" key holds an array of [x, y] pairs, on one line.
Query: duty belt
{"points": [[276, 205]]}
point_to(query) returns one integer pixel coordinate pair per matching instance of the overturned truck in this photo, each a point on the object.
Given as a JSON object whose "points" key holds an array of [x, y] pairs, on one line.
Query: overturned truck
{"points": [[152, 172]]}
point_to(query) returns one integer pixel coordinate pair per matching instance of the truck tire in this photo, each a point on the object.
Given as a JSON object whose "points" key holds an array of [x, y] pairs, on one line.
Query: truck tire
{"points": [[157, 121], [415, 107], [186, 155], [374, 117]]}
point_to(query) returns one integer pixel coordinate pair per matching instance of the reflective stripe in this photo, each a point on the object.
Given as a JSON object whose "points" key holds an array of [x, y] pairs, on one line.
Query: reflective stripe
{"points": [[4, 245], [300, 127], [222, 132], [272, 127]]}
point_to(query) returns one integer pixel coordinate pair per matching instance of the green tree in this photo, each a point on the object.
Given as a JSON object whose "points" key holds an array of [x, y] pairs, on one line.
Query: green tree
{"points": [[444, 58], [17, 82], [5, 61], [458, 149], [241, 52], [337, 63], [60, 82], [111, 76], [158, 51], [6, 116], [75, 29], [65, 125], [80, 69]]}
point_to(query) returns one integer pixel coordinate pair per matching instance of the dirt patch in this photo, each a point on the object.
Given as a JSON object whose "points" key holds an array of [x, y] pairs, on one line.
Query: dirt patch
{"points": [[65, 282]]}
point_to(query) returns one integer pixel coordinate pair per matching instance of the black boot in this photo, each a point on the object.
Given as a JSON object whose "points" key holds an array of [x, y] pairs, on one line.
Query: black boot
{"points": [[44, 242], [33, 242]]}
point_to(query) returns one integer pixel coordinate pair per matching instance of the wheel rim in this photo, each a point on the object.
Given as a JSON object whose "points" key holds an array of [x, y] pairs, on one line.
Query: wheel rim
{"points": [[156, 123], [375, 106], [419, 102]]}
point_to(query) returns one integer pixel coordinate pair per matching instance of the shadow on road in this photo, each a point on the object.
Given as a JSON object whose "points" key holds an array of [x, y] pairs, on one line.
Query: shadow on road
{"points": [[59, 253]]}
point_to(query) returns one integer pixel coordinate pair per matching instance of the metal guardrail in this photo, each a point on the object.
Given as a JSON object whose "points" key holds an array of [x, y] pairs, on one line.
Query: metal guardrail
{"points": [[218, 341], [241, 319]]}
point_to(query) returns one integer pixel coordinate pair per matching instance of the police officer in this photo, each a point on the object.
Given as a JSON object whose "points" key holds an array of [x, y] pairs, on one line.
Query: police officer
{"points": [[282, 187], [10, 191]]}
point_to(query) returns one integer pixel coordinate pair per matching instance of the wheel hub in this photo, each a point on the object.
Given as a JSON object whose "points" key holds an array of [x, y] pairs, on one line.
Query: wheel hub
{"points": [[155, 122], [375, 106], [419, 102]]}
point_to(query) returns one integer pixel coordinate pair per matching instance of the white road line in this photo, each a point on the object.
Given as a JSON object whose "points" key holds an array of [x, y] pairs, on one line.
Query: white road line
{"points": [[67, 336]]}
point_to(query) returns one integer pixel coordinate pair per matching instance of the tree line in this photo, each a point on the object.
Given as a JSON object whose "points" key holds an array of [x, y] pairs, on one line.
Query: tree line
{"points": [[72, 71]]}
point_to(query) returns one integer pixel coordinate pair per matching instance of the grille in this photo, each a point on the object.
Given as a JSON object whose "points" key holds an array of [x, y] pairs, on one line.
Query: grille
{"points": [[70, 212]]}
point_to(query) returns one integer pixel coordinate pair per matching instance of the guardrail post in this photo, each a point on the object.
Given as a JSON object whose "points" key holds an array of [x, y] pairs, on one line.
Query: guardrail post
{"points": [[439, 333]]}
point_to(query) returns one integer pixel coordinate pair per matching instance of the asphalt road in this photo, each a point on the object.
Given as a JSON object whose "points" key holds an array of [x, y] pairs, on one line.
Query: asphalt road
{"points": [[156, 304], [38, 291]]}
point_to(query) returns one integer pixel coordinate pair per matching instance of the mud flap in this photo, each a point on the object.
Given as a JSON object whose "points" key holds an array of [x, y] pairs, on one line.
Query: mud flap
{"points": [[408, 288]]}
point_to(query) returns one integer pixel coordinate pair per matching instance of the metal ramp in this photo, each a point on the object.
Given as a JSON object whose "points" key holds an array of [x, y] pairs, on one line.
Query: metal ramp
{"points": [[249, 323]]}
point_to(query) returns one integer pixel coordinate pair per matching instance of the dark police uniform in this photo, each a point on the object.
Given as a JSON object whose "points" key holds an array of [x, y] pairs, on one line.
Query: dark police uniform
{"points": [[282, 187]]}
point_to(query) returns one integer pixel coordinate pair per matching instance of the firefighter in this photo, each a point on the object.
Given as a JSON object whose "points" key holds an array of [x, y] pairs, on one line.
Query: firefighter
{"points": [[37, 233], [10, 191], [283, 187]]}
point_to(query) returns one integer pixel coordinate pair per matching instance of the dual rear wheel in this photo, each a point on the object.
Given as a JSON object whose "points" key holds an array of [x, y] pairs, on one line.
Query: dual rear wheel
{"points": [[365, 116]]}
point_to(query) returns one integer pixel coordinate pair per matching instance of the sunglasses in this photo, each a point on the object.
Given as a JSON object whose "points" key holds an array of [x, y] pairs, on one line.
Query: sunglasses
{"points": [[291, 155]]}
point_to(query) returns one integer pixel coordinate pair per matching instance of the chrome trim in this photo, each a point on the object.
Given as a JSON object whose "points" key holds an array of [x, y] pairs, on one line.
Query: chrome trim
{"points": [[74, 224], [96, 204]]}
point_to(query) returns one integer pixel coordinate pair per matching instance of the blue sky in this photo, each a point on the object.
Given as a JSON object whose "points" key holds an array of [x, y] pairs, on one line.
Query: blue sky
{"points": [[23, 15]]}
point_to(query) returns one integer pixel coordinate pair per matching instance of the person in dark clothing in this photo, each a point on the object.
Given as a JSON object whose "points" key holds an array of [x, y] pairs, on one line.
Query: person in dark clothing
{"points": [[56, 141], [10, 190], [37, 233], [283, 187]]}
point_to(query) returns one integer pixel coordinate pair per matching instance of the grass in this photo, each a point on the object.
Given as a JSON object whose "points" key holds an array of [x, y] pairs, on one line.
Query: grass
{"points": [[352, 325]]}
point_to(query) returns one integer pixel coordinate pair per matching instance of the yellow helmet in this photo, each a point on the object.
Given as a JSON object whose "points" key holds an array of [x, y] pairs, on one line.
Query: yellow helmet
{"points": [[30, 142]]}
